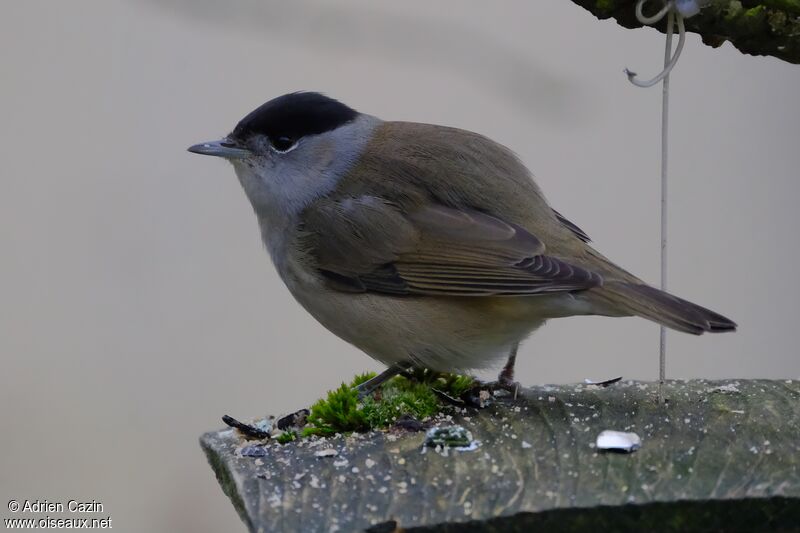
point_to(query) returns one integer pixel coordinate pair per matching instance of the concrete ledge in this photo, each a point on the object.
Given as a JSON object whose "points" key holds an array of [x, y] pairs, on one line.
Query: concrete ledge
{"points": [[720, 450]]}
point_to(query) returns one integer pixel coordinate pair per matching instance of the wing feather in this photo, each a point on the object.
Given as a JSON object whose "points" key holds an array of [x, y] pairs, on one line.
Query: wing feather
{"points": [[368, 244]]}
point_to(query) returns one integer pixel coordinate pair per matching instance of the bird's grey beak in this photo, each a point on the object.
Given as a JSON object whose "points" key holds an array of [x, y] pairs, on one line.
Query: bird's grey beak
{"points": [[222, 148]]}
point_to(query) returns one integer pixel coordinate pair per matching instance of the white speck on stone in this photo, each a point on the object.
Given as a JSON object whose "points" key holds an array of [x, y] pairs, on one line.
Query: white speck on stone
{"points": [[526, 445], [342, 479], [355, 470], [274, 500], [402, 487], [369, 463], [618, 440], [314, 481], [327, 452], [401, 461], [728, 387]]}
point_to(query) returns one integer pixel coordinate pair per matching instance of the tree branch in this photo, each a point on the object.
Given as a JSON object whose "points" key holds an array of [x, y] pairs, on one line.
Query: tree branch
{"points": [[755, 27]]}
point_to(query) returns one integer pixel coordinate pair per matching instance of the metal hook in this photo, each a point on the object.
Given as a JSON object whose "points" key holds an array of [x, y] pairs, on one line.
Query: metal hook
{"points": [[672, 16], [655, 18]]}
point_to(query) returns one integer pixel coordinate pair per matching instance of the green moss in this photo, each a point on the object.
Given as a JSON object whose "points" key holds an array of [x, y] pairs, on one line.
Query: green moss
{"points": [[606, 5], [755, 12], [399, 397], [451, 384], [286, 437], [342, 412], [734, 8], [339, 412], [792, 6], [456, 384]]}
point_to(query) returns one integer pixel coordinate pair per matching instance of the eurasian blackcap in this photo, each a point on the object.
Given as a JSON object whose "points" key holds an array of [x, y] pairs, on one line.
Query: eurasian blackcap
{"points": [[423, 245]]}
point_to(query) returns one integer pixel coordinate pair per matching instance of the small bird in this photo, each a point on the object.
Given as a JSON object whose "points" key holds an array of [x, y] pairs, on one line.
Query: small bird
{"points": [[422, 245]]}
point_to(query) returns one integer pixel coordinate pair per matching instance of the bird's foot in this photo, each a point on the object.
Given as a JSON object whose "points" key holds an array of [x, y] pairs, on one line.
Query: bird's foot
{"points": [[505, 380], [503, 384], [481, 395], [509, 385]]}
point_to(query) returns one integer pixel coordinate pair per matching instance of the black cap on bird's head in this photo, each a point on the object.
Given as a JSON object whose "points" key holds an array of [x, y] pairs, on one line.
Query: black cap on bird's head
{"points": [[283, 120], [295, 115]]}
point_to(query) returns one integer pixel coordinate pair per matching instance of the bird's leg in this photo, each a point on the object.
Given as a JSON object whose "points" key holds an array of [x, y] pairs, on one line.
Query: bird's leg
{"points": [[506, 376], [475, 397], [505, 380], [369, 386]]}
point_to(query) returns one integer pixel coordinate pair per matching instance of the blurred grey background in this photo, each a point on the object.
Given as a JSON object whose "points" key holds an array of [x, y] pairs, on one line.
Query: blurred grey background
{"points": [[138, 305]]}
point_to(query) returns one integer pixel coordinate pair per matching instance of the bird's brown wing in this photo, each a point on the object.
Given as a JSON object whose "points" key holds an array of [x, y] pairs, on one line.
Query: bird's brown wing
{"points": [[368, 244]]}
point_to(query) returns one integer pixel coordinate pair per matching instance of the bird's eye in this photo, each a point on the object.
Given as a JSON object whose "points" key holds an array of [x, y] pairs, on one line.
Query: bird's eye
{"points": [[283, 144]]}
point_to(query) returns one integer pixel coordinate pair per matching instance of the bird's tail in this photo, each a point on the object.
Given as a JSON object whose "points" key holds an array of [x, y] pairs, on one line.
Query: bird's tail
{"points": [[648, 302]]}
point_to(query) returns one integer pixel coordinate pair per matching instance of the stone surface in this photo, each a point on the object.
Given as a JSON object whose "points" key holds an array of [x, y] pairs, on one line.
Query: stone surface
{"points": [[719, 450]]}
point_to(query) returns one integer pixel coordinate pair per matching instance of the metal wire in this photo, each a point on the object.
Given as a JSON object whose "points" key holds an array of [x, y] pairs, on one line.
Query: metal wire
{"points": [[670, 60]]}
